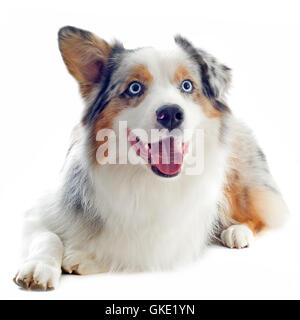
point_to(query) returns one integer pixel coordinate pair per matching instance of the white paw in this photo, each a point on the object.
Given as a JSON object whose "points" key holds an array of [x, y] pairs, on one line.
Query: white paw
{"points": [[38, 275], [70, 266], [75, 264], [237, 236], [81, 265]]}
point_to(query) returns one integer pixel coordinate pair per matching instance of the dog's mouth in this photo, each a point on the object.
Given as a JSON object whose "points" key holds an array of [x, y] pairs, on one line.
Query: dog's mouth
{"points": [[165, 157]]}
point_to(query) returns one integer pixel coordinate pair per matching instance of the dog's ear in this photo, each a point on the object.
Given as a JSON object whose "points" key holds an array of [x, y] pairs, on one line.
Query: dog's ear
{"points": [[215, 76], [85, 56]]}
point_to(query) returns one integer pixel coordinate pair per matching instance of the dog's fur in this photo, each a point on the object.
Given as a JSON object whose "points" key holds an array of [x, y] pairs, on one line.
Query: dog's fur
{"points": [[124, 217]]}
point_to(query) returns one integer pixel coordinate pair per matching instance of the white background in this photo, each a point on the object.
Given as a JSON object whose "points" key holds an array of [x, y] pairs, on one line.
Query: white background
{"points": [[39, 105]]}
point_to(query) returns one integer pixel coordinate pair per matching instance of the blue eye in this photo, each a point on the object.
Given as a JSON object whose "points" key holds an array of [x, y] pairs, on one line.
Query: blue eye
{"points": [[134, 89], [187, 86]]}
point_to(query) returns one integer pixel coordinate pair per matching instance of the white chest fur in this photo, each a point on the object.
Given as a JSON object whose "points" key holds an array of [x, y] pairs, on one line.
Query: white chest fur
{"points": [[149, 223]]}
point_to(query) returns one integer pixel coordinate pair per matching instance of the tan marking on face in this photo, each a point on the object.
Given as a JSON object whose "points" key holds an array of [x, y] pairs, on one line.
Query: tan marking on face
{"points": [[107, 116], [209, 110], [141, 74], [106, 121], [116, 105], [181, 74], [242, 203]]}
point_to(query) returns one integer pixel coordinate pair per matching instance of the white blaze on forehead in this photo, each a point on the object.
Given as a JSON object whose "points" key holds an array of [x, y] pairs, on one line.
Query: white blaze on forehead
{"points": [[161, 64]]}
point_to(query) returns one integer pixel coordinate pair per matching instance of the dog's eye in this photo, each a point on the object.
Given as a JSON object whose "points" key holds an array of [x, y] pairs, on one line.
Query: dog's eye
{"points": [[135, 89], [187, 86]]}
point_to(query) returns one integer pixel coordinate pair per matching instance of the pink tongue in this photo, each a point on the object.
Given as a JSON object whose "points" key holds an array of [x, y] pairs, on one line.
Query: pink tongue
{"points": [[167, 156]]}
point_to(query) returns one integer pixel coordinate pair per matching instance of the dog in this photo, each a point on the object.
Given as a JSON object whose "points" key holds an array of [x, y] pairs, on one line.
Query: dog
{"points": [[144, 214]]}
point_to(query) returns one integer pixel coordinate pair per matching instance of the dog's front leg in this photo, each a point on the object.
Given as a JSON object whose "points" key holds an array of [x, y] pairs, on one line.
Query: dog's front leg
{"points": [[41, 268]]}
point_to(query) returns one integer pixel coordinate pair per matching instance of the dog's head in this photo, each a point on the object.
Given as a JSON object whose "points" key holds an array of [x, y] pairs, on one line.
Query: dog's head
{"points": [[172, 92]]}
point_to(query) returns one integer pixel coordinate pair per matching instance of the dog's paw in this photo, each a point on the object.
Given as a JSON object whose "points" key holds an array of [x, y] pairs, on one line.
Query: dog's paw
{"points": [[37, 275], [237, 236], [81, 265], [77, 267], [71, 267], [74, 263]]}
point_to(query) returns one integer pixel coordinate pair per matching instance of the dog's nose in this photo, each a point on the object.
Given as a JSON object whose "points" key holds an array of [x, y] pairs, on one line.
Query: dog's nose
{"points": [[170, 116]]}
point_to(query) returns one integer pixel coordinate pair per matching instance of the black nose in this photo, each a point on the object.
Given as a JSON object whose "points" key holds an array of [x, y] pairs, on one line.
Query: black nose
{"points": [[170, 116]]}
